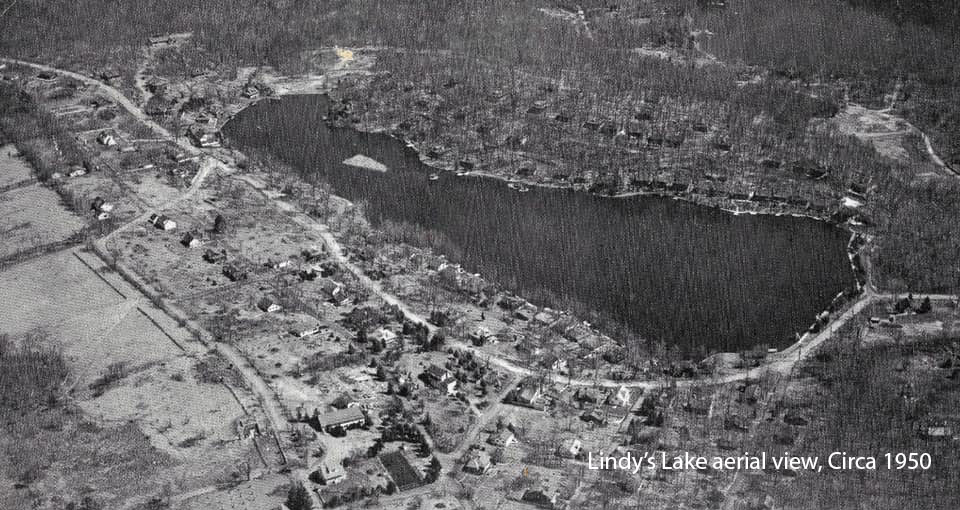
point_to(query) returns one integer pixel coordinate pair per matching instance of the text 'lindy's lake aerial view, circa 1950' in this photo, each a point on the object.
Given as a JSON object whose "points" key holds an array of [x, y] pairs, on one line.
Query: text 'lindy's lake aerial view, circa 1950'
{"points": [[511, 254]]}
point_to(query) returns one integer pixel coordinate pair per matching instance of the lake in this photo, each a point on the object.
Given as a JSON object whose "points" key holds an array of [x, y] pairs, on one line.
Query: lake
{"points": [[695, 277]]}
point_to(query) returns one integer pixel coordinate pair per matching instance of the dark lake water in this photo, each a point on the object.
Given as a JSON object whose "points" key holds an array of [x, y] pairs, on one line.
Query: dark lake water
{"points": [[695, 277]]}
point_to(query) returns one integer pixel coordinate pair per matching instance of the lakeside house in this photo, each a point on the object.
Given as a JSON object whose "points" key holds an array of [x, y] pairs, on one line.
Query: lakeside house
{"points": [[203, 138]]}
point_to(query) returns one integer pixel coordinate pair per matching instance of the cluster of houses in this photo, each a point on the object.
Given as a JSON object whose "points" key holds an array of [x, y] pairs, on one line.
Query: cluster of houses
{"points": [[454, 277], [598, 403]]}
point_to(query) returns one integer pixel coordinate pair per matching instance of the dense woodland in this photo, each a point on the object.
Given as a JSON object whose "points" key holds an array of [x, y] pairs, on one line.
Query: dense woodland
{"points": [[870, 48], [876, 400]]}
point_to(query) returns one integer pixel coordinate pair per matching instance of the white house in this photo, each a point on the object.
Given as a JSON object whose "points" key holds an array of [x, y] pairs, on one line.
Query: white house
{"points": [[384, 335]]}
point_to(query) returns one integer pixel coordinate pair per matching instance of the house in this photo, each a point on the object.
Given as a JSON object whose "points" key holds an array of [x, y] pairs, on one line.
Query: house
{"points": [[106, 139], [234, 272], [523, 315], [437, 373], [246, 429], [502, 438], [155, 40], [595, 416], [620, 398], [334, 291], [304, 330], [268, 305], [583, 335], [90, 166], [96, 204], [589, 395], [545, 317], [101, 205], [251, 92], [109, 74], [341, 419], [528, 396], [329, 473], [851, 202], [344, 401], [510, 303], [556, 363], [480, 335], [214, 257], [161, 221], [478, 462], [938, 432], [275, 264], [191, 240], [570, 448], [313, 253], [440, 378], [384, 336], [205, 139]]}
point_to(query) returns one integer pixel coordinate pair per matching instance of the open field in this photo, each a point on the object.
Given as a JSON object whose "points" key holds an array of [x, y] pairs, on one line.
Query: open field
{"points": [[135, 382], [32, 216], [13, 169]]}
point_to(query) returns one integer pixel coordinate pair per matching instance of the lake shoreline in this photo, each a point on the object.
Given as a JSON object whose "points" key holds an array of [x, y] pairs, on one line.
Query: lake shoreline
{"points": [[355, 141]]}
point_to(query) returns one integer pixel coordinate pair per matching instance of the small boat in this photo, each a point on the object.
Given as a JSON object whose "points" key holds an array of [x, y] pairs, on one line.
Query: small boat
{"points": [[434, 177], [514, 185], [523, 188], [462, 173]]}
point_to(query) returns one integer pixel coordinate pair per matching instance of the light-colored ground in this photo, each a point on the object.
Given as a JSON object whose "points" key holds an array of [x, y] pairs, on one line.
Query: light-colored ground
{"points": [[887, 133], [49, 290], [12, 169], [32, 216], [267, 492], [98, 319]]}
